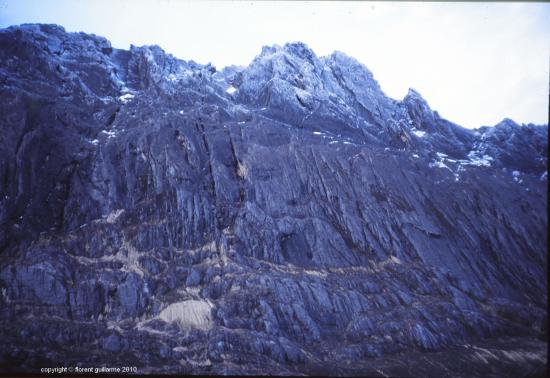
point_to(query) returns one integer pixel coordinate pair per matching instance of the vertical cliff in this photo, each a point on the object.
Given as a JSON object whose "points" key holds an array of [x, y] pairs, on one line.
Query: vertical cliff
{"points": [[285, 217]]}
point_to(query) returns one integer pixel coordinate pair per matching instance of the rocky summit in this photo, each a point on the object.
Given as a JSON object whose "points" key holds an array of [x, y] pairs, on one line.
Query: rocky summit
{"points": [[282, 218]]}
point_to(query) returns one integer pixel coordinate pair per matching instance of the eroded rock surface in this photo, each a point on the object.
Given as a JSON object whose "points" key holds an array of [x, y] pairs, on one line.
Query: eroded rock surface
{"points": [[282, 218]]}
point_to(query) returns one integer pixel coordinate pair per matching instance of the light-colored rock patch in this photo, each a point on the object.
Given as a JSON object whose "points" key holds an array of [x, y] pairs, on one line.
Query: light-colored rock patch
{"points": [[189, 314]]}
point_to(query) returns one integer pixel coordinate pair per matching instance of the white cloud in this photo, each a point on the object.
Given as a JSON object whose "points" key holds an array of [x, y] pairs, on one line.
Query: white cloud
{"points": [[474, 63]]}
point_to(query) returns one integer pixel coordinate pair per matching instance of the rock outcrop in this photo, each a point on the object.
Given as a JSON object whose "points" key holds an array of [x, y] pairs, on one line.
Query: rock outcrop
{"points": [[282, 218]]}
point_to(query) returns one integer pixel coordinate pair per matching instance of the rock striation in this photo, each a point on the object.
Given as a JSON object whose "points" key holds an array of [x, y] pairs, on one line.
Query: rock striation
{"points": [[282, 218]]}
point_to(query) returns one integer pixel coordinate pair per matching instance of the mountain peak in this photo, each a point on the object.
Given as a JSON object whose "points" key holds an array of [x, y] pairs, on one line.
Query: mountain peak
{"points": [[296, 49], [414, 95], [508, 123], [344, 60], [268, 50], [46, 28], [342, 56], [419, 110], [299, 49]]}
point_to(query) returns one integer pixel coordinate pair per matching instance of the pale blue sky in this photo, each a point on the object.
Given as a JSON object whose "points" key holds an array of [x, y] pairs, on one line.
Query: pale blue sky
{"points": [[474, 63]]}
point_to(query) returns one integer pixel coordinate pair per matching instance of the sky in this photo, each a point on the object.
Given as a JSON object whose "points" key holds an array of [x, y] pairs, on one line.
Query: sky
{"points": [[475, 63]]}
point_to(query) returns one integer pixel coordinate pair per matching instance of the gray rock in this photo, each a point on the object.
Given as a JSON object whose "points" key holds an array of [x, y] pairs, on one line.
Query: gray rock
{"points": [[298, 219]]}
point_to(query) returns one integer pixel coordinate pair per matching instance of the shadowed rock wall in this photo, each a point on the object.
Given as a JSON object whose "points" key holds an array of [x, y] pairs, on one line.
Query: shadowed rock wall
{"points": [[285, 217]]}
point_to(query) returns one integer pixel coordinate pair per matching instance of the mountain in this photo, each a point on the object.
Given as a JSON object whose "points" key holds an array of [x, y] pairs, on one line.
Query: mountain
{"points": [[282, 218]]}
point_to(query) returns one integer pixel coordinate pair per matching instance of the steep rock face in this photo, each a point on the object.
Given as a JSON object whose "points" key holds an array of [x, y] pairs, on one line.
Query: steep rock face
{"points": [[285, 217]]}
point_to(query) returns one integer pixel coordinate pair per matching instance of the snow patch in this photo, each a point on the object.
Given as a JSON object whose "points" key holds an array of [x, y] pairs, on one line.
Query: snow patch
{"points": [[395, 260], [477, 160], [95, 142], [110, 133], [316, 273], [418, 133], [231, 90], [126, 97], [439, 164], [113, 216]]}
